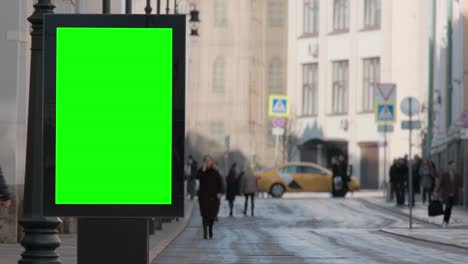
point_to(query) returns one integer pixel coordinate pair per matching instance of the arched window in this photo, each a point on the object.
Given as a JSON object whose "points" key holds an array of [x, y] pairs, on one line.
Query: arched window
{"points": [[275, 75], [220, 13], [218, 75]]}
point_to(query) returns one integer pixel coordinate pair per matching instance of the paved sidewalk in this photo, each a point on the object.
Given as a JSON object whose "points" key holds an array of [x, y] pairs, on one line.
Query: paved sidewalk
{"points": [[455, 235], [10, 253], [459, 216]]}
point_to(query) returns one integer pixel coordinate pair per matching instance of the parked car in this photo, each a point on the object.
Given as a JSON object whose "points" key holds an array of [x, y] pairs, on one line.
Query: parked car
{"points": [[298, 177]]}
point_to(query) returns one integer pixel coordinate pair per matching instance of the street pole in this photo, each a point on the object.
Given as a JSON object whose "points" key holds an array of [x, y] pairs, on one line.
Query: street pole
{"points": [[128, 7], [158, 7], [386, 189], [40, 232], [106, 6], [410, 199], [276, 149], [148, 8], [167, 7], [175, 7]]}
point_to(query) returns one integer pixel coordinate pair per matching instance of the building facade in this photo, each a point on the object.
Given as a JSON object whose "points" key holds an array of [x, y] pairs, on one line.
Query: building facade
{"points": [[237, 61], [337, 50], [448, 80]]}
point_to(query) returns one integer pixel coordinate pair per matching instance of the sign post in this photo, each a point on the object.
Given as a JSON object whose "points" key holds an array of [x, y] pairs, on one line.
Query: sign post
{"points": [[278, 108], [410, 106], [131, 157], [385, 116]]}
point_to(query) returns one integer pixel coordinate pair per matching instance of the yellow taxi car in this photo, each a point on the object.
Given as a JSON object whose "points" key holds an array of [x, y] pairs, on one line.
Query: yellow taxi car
{"points": [[298, 177]]}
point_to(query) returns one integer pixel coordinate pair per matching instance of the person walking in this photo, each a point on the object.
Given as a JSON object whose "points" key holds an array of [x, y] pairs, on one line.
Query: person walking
{"points": [[249, 188], [427, 172], [400, 179], [448, 189], [191, 171], [209, 194], [232, 188], [416, 164], [393, 176], [4, 193], [344, 173], [338, 178]]}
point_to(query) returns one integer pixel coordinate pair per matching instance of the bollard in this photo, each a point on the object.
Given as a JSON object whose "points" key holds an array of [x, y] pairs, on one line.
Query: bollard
{"points": [[151, 226], [157, 224]]}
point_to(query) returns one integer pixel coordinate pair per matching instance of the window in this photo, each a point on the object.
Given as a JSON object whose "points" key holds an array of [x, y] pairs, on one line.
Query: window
{"points": [[307, 169], [290, 169], [371, 75], [340, 87], [311, 17], [310, 89], [217, 131], [341, 15], [372, 11], [275, 76], [276, 13], [220, 13], [218, 75]]}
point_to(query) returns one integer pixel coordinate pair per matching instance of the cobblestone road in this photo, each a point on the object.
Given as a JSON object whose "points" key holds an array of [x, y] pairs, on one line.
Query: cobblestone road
{"points": [[306, 230]]}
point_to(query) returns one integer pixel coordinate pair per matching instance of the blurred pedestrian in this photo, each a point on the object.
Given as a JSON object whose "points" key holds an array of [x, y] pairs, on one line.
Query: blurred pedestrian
{"points": [[191, 175], [249, 188], [448, 188], [417, 161], [209, 194], [4, 194], [232, 187], [427, 172], [393, 175], [400, 180], [339, 182]]}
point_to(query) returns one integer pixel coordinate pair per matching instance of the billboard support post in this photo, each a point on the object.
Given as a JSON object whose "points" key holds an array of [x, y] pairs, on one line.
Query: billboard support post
{"points": [[40, 233], [129, 246]]}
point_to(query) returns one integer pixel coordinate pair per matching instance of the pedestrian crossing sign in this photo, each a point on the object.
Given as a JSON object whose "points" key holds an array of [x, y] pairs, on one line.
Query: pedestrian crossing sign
{"points": [[279, 106], [385, 112]]}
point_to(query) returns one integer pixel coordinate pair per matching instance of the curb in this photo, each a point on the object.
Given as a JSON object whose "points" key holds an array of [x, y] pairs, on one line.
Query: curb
{"points": [[396, 211], [165, 242], [422, 239]]}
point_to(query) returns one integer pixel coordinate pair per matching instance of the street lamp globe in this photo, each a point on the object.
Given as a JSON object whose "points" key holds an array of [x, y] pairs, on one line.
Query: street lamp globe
{"points": [[194, 21]]}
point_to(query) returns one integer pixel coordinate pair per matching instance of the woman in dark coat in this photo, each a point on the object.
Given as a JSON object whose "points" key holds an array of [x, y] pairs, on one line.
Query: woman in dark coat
{"points": [[231, 183], [209, 194]]}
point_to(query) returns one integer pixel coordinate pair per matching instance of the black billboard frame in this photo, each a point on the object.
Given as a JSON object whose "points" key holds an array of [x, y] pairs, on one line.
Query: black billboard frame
{"points": [[178, 24]]}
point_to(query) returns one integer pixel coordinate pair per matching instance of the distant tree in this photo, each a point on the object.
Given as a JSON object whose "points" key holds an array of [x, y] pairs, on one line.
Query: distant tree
{"points": [[290, 138]]}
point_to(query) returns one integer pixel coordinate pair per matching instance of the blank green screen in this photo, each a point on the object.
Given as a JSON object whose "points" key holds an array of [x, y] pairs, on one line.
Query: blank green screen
{"points": [[113, 116]]}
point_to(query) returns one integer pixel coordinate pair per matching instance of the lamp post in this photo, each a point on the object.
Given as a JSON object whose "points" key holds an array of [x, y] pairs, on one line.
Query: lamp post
{"points": [[106, 6], [148, 8], [40, 232], [128, 7], [194, 21]]}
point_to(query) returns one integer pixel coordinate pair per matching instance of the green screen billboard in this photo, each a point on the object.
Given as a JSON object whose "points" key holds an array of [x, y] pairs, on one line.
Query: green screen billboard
{"points": [[115, 121], [122, 133]]}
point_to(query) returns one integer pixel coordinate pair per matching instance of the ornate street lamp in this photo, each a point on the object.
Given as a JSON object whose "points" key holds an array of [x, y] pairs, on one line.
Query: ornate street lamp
{"points": [[40, 233], [194, 21]]}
